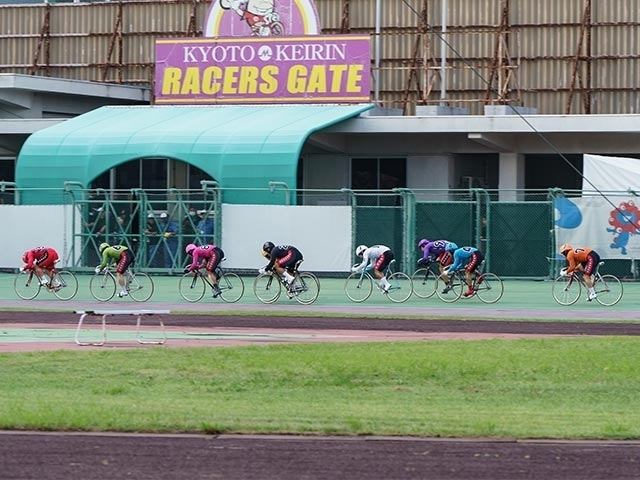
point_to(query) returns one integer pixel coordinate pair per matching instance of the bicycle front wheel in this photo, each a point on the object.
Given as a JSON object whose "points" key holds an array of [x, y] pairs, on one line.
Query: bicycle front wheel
{"points": [[232, 287], [609, 290], [306, 288], [400, 288], [27, 285], [140, 287], [452, 292], [191, 287], [489, 287], [68, 285], [423, 281], [358, 287], [566, 290], [267, 288], [102, 286]]}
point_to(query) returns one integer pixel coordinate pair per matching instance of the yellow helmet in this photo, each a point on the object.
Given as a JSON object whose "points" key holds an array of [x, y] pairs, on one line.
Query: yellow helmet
{"points": [[564, 248], [103, 246]]}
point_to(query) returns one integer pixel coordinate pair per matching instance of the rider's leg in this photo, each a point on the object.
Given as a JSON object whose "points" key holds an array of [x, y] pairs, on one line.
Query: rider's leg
{"points": [[469, 282], [44, 279], [384, 283]]}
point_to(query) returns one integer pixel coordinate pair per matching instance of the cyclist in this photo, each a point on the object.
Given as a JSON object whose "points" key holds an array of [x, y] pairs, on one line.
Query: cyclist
{"points": [[581, 259], [282, 259], [439, 250], [469, 258], [209, 257], [42, 261], [122, 257], [378, 258]]}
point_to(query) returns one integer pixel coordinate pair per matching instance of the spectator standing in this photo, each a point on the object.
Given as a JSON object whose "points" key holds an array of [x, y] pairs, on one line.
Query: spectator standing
{"points": [[152, 237], [169, 230]]}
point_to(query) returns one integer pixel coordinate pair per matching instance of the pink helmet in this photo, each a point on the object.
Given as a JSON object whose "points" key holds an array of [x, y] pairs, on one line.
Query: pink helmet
{"points": [[190, 248]]}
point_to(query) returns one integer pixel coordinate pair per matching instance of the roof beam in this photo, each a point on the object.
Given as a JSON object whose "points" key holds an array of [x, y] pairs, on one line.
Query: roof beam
{"points": [[494, 142]]}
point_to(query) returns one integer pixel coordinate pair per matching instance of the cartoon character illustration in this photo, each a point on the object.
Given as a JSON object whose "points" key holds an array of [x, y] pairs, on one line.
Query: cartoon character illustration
{"points": [[260, 15], [624, 224]]}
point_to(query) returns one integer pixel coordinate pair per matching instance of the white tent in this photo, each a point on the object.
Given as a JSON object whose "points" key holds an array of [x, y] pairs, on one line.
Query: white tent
{"points": [[608, 174]]}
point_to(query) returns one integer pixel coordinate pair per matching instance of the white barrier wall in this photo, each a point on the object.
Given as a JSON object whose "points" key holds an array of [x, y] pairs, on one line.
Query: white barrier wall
{"points": [[29, 226], [323, 234]]}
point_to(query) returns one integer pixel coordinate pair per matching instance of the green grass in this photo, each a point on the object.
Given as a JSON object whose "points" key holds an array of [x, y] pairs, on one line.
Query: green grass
{"points": [[582, 388]]}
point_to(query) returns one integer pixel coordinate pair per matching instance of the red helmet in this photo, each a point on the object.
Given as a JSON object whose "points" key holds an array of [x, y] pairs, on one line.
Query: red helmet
{"points": [[25, 257]]}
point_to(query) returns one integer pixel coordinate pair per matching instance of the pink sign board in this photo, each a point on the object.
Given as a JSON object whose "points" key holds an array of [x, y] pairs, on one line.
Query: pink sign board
{"points": [[304, 69]]}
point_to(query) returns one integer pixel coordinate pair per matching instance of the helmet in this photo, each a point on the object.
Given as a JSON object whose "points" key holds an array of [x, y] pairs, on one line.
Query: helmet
{"points": [[565, 248], [360, 250], [267, 247], [25, 257], [189, 248], [422, 242], [103, 246]]}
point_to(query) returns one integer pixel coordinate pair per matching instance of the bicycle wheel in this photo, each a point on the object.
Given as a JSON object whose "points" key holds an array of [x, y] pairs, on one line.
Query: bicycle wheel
{"points": [[267, 288], [232, 287], [68, 285], [566, 290], [401, 287], [489, 287], [609, 290], [191, 287], [423, 281], [452, 292], [306, 288], [140, 287], [102, 286], [27, 285], [358, 287]]}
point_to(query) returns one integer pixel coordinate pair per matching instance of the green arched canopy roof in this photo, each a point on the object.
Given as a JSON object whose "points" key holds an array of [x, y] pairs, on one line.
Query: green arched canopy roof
{"points": [[241, 146]]}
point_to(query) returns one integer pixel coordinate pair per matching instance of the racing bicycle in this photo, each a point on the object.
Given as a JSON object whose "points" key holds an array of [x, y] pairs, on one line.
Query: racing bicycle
{"points": [[487, 286], [103, 285], [193, 285], [63, 284], [567, 289], [305, 288], [359, 285]]}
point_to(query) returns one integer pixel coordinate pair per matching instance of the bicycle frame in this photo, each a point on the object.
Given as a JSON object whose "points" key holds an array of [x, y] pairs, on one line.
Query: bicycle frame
{"points": [[305, 287], [566, 290], [193, 285], [359, 287]]}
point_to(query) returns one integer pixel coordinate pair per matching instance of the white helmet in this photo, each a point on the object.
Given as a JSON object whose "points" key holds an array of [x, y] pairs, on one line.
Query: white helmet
{"points": [[360, 250]]}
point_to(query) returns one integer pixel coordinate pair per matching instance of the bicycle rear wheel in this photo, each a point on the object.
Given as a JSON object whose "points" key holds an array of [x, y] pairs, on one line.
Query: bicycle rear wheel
{"points": [[102, 286], [191, 287], [27, 285], [566, 290], [68, 285], [306, 288], [609, 290], [449, 293], [232, 287], [400, 288], [267, 288], [140, 287], [424, 282], [489, 288], [358, 287]]}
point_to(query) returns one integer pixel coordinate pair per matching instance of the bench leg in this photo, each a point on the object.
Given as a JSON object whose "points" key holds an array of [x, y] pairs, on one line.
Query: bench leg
{"points": [[104, 332], [151, 342]]}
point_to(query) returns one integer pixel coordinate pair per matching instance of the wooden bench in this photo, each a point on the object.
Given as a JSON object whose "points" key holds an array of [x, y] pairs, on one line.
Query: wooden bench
{"points": [[109, 313]]}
